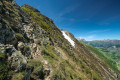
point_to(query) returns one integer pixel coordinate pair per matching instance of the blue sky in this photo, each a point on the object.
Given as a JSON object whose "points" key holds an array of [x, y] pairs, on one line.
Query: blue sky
{"points": [[89, 19]]}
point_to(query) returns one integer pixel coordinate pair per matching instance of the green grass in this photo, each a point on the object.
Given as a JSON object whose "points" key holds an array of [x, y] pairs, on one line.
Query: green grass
{"points": [[3, 66], [1, 54], [63, 69], [34, 63], [104, 57], [20, 37], [45, 23], [18, 76], [37, 67], [49, 53]]}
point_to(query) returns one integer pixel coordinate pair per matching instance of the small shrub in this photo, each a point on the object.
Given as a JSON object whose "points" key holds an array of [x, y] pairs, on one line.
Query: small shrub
{"points": [[3, 66], [20, 37], [18, 76]]}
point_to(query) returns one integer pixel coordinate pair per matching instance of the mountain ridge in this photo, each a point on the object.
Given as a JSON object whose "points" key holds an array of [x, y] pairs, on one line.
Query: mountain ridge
{"points": [[101, 43], [32, 47], [110, 49]]}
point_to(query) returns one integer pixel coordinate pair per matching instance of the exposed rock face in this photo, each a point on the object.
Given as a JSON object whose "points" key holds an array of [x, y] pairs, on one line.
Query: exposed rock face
{"points": [[33, 48], [7, 35]]}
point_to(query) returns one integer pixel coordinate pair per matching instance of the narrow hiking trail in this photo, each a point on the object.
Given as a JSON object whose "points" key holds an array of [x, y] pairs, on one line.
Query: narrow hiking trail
{"points": [[45, 63]]}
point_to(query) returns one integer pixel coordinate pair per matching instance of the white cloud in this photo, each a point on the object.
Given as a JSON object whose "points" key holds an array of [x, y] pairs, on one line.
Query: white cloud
{"points": [[98, 31], [91, 36], [60, 16], [68, 10], [109, 20], [88, 38]]}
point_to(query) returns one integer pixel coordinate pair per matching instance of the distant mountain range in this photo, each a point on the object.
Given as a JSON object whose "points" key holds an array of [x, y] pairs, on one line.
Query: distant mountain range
{"points": [[109, 48], [102, 43]]}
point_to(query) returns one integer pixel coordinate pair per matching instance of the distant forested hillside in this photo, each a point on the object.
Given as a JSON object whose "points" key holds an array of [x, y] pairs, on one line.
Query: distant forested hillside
{"points": [[102, 43], [108, 50]]}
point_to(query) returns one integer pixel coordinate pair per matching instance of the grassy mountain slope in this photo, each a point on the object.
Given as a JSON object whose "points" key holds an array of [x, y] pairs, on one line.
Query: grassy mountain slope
{"points": [[106, 57], [113, 53], [33, 48], [108, 49]]}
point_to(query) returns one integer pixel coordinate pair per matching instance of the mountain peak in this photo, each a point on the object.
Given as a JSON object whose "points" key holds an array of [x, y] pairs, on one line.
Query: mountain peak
{"points": [[81, 39], [30, 7]]}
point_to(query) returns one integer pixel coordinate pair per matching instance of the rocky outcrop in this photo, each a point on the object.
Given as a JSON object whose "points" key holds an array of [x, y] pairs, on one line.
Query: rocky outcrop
{"points": [[7, 35], [33, 48]]}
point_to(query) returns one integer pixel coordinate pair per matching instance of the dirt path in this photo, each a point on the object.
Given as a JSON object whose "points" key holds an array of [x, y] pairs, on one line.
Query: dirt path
{"points": [[45, 63]]}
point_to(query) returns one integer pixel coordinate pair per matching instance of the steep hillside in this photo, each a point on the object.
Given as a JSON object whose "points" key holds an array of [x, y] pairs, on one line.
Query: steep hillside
{"points": [[107, 57], [32, 47], [109, 50], [114, 53]]}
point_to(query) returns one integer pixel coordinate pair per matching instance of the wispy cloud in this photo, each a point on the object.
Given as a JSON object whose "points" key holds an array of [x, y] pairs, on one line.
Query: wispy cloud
{"points": [[88, 38], [109, 20], [68, 10], [91, 36], [99, 31], [60, 16]]}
